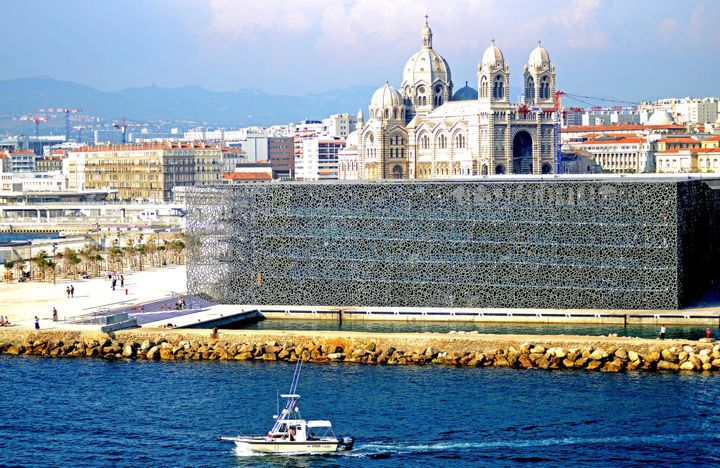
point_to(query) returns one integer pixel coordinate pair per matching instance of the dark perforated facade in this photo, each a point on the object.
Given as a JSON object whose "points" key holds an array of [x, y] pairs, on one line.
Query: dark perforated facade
{"points": [[601, 244]]}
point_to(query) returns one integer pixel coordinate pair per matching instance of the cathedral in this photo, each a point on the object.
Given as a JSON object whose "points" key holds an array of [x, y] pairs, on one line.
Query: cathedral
{"points": [[423, 130]]}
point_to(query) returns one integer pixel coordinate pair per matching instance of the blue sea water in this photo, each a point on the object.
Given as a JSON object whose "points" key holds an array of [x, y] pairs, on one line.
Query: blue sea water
{"points": [[74, 412], [687, 332], [25, 237]]}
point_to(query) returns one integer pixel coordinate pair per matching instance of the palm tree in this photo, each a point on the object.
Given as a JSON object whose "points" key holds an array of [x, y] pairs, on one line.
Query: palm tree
{"points": [[8, 276], [51, 266], [20, 267], [40, 264]]}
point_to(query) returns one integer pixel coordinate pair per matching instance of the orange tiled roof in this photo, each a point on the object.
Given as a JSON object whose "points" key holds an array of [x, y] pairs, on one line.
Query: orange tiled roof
{"points": [[247, 175], [690, 150], [22, 152], [618, 141], [679, 140]]}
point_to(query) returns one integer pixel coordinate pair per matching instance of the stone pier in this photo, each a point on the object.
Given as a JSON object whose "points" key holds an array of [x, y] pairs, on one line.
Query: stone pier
{"points": [[608, 354]]}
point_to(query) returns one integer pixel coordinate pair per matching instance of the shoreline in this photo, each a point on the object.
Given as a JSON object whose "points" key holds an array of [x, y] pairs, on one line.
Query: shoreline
{"points": [[552, 352]]}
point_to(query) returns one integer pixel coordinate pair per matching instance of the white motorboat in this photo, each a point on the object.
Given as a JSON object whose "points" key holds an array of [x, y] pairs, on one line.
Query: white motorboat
{"points": [[291, 434]]}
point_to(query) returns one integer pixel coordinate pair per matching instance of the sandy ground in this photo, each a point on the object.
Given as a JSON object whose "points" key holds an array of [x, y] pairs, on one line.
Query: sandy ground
{"points": [[23, 301]]}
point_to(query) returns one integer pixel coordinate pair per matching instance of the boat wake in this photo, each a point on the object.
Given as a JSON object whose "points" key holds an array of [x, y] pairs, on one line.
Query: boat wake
{"points": [[384, 449]]}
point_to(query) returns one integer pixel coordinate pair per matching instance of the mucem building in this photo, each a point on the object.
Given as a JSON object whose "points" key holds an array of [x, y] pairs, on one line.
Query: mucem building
{"points": [[602, 243]]}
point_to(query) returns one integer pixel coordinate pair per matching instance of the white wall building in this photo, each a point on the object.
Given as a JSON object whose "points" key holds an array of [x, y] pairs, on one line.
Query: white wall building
{"points": [[319, 158]]}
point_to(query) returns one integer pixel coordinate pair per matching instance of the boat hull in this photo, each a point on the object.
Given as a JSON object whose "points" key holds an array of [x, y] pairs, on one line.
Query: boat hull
{"points": [[268, 446]]}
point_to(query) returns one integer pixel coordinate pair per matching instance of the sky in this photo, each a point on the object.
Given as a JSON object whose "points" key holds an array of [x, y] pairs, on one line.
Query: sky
{"points": [[618, 49]]}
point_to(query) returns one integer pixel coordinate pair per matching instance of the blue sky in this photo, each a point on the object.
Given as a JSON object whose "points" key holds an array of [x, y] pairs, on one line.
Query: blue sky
{"points": [[623, 49]]}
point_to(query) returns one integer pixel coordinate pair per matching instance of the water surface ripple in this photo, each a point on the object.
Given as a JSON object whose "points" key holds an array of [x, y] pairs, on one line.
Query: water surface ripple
{"points": [[74, 412]]}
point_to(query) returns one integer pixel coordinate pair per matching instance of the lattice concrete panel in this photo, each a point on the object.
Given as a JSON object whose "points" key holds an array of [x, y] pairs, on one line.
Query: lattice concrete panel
{"points": [[534, 244]]}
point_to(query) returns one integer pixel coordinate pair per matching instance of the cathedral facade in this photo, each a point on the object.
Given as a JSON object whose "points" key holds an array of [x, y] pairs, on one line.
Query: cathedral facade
{"points": [[423, 130]]}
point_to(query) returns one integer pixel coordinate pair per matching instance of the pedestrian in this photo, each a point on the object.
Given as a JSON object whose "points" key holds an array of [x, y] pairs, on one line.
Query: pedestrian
{"points": [[72, 291], [37, 323], [122, 281], [662, 332], [708, 333], [67, 290], [55, 318], [114, 281]]}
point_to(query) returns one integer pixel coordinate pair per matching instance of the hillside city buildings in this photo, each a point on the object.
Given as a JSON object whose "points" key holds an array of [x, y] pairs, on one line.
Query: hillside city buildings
{"points": [[424, 129]]}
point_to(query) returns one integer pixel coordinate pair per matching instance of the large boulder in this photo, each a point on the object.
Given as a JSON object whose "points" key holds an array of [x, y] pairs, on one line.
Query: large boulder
{"points": [[128, 351], [667, 365]]}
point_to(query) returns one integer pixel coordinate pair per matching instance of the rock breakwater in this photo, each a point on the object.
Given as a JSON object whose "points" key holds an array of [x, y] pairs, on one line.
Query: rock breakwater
{"points": [[585, 353]]}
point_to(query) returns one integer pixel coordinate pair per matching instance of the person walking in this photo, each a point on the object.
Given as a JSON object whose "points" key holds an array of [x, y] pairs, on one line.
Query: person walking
{"points": [[67, 290], [708, 333], [112, 284], [55, 315], [72, 291], [662, 332], [122, 281], [37, 323]]}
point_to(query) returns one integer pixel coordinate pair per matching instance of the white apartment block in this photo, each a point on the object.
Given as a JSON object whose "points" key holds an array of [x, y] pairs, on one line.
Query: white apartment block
{"points": [[687, 110], [620, 154], [319, 158]]}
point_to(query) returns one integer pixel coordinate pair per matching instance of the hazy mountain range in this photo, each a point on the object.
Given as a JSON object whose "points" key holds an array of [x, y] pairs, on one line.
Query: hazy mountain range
{"points": [[150, 103]]}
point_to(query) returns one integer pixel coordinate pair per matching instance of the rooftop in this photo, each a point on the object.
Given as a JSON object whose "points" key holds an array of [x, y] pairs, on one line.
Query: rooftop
{"points": [[144, 147]]}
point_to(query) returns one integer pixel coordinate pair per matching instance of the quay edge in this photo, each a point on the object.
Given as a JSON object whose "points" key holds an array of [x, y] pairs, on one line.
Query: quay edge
{"points": [[609, 354]]}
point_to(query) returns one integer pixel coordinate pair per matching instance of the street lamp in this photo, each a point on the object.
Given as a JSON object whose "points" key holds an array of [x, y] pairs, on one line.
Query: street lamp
{"points": [[54, 264]]}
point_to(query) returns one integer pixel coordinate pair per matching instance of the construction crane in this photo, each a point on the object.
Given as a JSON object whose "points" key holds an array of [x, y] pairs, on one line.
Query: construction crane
{"points": [[37, 119], [123, 126], [67, 113]]}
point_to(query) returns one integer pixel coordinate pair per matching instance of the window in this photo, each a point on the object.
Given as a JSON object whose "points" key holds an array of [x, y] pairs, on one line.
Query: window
{"points": [[498, 90], [483, 87], [460, 141], [530, 89], [545, 88], [442, 141]]}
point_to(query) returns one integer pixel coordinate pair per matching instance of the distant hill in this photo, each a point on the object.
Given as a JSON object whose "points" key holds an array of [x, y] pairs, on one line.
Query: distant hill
{"points": [[230, 108]]}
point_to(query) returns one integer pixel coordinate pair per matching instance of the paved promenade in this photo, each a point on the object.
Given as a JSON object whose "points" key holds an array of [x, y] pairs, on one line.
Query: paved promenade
{"points": [[23, 301]]}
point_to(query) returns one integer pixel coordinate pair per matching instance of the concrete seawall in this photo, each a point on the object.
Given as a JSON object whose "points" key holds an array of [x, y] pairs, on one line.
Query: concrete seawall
{"points": [[609, 354]]}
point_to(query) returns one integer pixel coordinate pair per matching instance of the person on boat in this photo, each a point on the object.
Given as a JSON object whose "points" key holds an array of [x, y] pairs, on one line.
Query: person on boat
{"points": [[291, 433]]}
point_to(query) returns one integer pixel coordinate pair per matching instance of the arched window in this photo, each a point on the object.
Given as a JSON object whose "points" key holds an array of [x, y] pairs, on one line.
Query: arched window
{"points": [[499, 169], [442, 141], [483, 87], [545, 88], [459, 141], [498, 90], [530, 89], [387, 113]]}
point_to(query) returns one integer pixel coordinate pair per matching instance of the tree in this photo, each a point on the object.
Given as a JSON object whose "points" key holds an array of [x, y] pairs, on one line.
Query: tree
{"points": [[8, 276], [20, 268], [39, 262]]}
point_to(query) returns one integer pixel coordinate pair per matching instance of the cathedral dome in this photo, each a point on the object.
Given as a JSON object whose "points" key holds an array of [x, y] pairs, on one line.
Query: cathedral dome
{"points": [[426, 65], [352, 139], [539, 57], [386, 96], [661, 117], [493, 56], [466, 93]]}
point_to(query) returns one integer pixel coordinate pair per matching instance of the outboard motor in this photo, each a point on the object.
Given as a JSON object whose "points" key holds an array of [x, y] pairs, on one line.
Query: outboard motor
{"points": [[347, 443]]}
